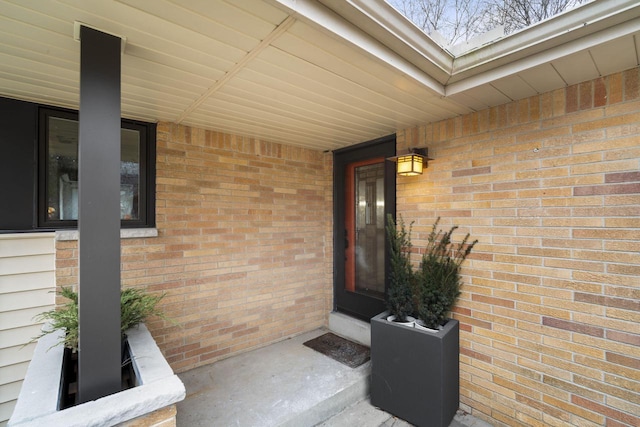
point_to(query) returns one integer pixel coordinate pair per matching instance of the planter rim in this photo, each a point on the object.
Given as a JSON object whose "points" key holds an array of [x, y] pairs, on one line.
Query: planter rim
{"points": [[158, 387], [451, 323]]}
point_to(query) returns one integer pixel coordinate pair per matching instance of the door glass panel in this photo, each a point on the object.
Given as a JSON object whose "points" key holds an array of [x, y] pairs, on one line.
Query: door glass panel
{"points": [[369, 229]]}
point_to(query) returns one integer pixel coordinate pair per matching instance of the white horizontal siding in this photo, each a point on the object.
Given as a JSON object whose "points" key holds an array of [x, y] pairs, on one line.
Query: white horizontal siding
{"points": [[20, 282], [13, 373], [27, 282], [6, 409], [15, 337]]}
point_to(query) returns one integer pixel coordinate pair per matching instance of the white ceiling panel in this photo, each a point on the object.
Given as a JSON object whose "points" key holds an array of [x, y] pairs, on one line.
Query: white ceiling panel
{"points": [[542, 78], [465, 99], [281, 101], [207, 27], [164, 74], [576, 68], [484, 97], [360, 70], [332, 88], [514, 87], [615, 55]]}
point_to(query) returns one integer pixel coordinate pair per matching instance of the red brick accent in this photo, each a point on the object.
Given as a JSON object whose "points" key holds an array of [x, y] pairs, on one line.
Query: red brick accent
{"points": [[606, 189], [608, 411], [619, 359], [622, 177], [572, 100], [586, 95], [633, 339], [573, 326], [493, 301], [471, 171], [626, 304], [616, 92], [599, 92], [476, 355], [631, 84]]}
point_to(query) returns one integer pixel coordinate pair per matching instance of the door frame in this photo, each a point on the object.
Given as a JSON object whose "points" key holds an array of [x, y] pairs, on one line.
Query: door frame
{"points": [[353, 304]]}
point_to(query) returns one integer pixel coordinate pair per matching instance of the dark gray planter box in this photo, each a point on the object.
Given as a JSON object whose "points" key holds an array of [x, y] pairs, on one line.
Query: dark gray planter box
{"points": [[415, 374]]}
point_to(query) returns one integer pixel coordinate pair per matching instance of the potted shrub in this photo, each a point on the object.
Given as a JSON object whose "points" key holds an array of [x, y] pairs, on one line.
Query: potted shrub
{"points": [[400, 295], [438, 276], [135, 307], [415, 372]]}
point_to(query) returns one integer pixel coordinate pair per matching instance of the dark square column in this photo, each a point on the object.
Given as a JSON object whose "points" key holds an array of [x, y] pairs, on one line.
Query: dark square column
{"points": [[99, 216]]}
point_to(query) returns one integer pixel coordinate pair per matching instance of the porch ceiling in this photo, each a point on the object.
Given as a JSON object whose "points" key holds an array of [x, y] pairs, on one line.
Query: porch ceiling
{"points": [[320, 74]]}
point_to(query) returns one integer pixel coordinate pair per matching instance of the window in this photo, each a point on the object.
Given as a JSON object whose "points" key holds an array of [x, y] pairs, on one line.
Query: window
{"points": [[58, 171]]}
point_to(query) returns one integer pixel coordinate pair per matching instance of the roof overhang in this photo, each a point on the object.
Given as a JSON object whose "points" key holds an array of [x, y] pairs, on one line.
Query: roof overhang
{"points": [[320, 74]]}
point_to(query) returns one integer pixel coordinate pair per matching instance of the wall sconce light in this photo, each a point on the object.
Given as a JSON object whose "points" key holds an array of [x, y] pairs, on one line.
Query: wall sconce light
{"points": [[412, 163]]}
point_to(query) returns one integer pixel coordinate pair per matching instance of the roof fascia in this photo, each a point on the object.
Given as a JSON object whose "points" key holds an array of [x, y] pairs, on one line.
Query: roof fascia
{"points": [[396, 31], [543, 57], [377, 28], [598, 17], [344, 27]]}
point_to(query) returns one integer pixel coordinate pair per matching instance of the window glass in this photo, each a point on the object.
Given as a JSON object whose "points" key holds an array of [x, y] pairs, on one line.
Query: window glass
{"points": [[129, 174], [62, 171]]}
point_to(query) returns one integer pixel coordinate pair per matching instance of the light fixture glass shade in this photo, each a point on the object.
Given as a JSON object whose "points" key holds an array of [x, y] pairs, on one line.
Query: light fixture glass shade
{"points": [[410, 165]]}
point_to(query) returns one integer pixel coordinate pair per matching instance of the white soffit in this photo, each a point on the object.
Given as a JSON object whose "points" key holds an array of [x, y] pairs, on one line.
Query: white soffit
{"points": [[382, 21], [315, 14], [321, 74], [616, 55], [542, 78], [581, 28], [514, 87], [565, 42], [481, 97], [576, 68]]}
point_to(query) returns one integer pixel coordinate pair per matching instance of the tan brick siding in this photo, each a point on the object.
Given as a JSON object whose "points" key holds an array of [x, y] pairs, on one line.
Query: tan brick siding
{"points": [[550, 308], [244, 244], [165, 417]]}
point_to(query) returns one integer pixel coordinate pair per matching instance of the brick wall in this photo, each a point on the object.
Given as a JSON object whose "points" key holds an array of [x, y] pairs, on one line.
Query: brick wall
{"points": [[550, 308], [244, 246], [165, 417]]}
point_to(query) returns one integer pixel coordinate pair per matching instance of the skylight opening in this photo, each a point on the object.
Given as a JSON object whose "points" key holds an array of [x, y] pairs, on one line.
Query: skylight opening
{"points": [[452, 23]]}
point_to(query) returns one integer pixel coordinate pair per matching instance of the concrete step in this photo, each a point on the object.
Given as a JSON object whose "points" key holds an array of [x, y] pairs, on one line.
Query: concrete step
{"points": [[362, 414], [350, 328], [284, 384]]}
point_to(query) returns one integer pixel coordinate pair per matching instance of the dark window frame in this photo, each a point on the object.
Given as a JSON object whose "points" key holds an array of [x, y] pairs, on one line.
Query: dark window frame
{"points": [[147, 197]]}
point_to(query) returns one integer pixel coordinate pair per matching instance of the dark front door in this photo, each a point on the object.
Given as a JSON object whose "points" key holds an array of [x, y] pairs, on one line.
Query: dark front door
{"points": [[364, 193]]}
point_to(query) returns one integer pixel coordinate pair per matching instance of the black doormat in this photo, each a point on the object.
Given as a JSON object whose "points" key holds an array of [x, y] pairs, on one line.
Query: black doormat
{"points": [[344, 351]]}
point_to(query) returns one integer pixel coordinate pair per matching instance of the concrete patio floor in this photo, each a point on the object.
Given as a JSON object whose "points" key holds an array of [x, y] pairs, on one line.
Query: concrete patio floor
{"points": [[285, 384]]}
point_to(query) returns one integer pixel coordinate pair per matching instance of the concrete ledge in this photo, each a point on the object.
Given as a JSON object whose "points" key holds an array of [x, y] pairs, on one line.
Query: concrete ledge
{"points": [[324, 410], [125, 233], [349, 327], [159, 387]]}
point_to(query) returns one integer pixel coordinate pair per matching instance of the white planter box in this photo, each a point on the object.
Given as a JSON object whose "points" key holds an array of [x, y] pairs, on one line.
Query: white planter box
{"points": [[159, 388]]}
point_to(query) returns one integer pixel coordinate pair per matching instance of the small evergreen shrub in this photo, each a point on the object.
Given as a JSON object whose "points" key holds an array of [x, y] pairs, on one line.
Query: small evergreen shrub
{"points": [[430, 292], [135, 307], [438, 275], [400, 293]]}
